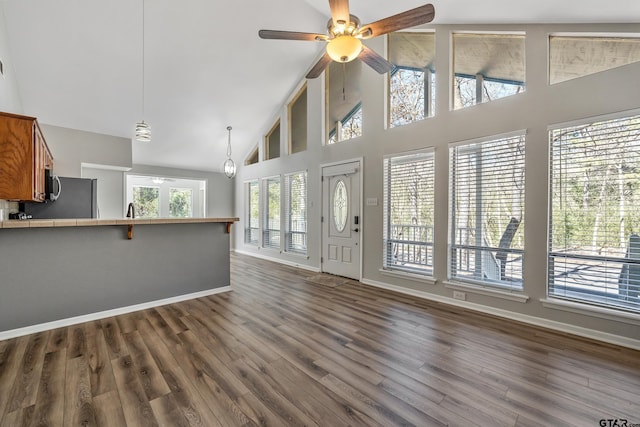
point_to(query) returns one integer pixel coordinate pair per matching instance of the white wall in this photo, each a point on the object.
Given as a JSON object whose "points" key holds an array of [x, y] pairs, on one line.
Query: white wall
{"points": [[534, 110]]}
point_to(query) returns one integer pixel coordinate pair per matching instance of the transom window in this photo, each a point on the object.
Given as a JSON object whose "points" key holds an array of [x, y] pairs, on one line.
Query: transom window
{"points": [[576, 55], [594, 233], [408, 212], [412, 83], [486, 239], [487, 67], [343, 101]]}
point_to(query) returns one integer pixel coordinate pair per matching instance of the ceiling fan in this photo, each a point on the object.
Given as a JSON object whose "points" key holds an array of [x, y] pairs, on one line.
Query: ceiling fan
{"points": [[344, 35]]}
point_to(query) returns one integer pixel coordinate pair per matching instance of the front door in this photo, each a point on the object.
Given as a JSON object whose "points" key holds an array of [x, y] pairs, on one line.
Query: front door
{"points": [[341, 223]]}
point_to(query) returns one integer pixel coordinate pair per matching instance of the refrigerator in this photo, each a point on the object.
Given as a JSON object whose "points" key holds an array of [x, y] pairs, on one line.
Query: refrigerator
{"points": [[78, 199]]}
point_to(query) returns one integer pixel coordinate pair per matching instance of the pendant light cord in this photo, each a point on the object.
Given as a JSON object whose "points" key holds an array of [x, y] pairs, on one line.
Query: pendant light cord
{"points": [[229, 143], [143, 60]]}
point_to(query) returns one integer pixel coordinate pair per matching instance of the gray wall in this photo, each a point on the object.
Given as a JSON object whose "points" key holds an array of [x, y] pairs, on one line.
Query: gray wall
{"points": [[9, 93], [71, 148], [540, 106], [74, 271]]}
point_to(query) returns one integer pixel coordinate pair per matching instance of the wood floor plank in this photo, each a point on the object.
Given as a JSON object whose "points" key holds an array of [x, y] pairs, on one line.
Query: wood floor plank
{"points": [[78, 404], [25, 386], [135, 404], [190, 402], [145, 367], [49, 407], [113, 338], [98, 359], [279, 350], [108, 409], [167, 412], [9, 363]]}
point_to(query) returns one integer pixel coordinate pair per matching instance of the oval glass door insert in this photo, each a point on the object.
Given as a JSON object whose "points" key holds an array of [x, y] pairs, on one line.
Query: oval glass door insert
{"points": [[340, 206]]}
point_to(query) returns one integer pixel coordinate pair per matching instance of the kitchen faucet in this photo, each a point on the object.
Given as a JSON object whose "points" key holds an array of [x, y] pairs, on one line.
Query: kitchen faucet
{"points": [[131, 211]]}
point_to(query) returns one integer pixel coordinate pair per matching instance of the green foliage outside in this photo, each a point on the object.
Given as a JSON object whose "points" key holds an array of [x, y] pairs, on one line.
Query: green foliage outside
{"points": [[180, 203], [146, 201]]}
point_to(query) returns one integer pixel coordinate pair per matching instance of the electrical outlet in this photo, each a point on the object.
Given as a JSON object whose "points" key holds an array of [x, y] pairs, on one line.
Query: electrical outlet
{"points": [[459, 295]]}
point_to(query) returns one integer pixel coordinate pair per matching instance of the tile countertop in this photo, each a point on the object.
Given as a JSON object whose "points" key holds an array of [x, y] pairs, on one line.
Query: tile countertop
{"points": [[94, 222]]}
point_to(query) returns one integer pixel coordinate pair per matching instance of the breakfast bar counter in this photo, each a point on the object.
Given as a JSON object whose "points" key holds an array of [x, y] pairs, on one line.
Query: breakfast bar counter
{"points": [[58, 272]]}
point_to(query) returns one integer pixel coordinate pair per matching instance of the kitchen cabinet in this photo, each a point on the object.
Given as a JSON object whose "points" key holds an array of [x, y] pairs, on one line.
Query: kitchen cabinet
{"points": [[24, 159]]}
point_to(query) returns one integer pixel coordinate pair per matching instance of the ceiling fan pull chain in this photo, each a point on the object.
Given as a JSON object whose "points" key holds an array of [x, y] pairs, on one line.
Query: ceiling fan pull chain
{"points": [[344, 81]]}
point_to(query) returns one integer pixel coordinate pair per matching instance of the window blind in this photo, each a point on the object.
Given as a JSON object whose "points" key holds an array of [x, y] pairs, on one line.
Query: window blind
{"points": [[594, 232], [271, 231], [487, 211], [408, 212], [252, 215], [296, 212]]}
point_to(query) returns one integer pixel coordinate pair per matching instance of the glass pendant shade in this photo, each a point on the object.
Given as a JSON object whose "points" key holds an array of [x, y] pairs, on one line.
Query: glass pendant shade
{"points": [[344, 48], [229, 168], [229, 164], [143, 132]]}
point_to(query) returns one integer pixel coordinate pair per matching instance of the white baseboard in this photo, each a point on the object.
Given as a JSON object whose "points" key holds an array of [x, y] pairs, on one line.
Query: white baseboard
{"points": [[13, 333], [524, 318], [278, 260]]}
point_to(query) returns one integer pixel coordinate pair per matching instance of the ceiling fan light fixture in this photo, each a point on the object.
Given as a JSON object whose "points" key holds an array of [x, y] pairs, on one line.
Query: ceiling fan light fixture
{"points": [[344, 48]]}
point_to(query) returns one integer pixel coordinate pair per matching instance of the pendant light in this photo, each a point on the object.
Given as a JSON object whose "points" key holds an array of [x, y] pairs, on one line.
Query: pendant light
{"points": [[143, 130], [229, 165]]}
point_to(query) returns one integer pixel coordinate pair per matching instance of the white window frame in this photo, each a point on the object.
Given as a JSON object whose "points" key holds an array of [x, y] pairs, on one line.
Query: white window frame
{"points": [[487, 272], [248, 230], [410, 245], [574, 296], [267, 238], [299, 229]]}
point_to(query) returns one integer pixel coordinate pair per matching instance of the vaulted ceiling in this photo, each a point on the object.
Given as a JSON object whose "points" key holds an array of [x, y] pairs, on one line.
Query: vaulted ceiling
{"points": [[79, 62]]}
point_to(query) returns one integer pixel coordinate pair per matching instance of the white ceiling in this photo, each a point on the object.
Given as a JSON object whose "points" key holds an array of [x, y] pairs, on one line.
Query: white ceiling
{"points": [[79, 62]]}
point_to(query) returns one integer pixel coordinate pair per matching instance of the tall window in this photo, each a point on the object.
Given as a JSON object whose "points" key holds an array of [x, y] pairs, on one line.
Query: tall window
{"points": [[271, 230], [594, 241], [412, 83], [343, 101], [298, 122], [408, 212], [576, 55], [487, 67], [486, 237], [296, 212], [252, 212]]}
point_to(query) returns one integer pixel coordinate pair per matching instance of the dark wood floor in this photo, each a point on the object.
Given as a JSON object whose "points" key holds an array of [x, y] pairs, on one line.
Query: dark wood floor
{"points": [[281, 351]]}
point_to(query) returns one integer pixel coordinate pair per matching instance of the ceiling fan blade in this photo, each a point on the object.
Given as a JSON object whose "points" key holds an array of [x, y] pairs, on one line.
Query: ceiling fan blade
{"points": [[410, 18], [339, 11], [291, 35], [375, 61], [319, 67]]}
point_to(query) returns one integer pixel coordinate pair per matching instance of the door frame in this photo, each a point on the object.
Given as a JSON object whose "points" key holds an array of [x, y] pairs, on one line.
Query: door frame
{"points": [[360, 161]]}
